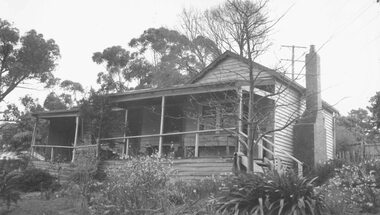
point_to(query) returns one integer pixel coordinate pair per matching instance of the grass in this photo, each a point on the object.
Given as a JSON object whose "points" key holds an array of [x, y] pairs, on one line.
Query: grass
{"points": [[32, 204]]}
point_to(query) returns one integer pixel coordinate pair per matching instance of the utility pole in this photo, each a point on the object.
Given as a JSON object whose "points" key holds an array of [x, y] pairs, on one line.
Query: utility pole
{"points": [[293, 60]]}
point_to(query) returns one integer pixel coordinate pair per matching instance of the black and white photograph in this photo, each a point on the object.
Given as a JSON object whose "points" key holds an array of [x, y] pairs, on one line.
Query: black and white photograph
{"points": [[189, 107]]}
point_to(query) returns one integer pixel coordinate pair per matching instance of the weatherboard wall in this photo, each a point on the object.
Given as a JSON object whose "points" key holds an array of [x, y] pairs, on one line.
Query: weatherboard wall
{"points": [[287, 109], [329, 126], [229, 70]]}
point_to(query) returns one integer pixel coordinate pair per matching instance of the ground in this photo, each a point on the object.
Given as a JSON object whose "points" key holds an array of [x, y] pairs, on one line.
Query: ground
{"points": [[33, 204]]}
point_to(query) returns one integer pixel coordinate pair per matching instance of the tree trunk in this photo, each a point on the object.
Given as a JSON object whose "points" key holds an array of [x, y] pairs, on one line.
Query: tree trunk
{"points": [[251, 126]]}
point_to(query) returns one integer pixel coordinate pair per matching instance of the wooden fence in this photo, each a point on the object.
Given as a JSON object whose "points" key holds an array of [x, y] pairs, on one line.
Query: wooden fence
{"points": [[359, 152]]}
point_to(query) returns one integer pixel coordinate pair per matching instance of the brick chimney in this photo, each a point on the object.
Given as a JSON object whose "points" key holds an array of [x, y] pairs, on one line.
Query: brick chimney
{"points": [[309, 131]]}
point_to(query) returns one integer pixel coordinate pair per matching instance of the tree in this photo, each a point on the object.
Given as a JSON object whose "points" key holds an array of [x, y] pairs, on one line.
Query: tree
{"points": [[73, 87], [359, 123], [17, 135], [240, 26], [55, 102], [97, 111], [231, 25], [176, 57], [375, 109], [205, 49], [116, 59], [29, 57]]}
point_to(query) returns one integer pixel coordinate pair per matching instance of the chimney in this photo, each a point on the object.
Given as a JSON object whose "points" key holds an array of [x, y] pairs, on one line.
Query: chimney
{"points": [[309, 132], [313, 85]]}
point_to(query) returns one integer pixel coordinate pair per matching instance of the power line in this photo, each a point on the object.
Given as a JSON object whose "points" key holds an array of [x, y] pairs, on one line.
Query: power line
{"points": [[293, 60], [29, 88], [338, 30]]}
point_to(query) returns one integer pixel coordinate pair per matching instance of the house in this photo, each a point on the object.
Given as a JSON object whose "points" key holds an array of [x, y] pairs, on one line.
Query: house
{"points": [[203, 122]]}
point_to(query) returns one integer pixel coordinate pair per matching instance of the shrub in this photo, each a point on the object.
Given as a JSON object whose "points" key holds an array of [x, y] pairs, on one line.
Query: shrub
{"points": [[136, 187], [372, 167], [325, 171], [353, 186], [274, 193], [9, 187], [83, 181], [190, 191], [338, 201], [34, 179]]}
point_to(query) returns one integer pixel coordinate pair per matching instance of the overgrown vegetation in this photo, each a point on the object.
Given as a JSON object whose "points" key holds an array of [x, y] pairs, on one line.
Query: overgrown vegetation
{"points": [[9, 187], [273, 193], [32, 180]]}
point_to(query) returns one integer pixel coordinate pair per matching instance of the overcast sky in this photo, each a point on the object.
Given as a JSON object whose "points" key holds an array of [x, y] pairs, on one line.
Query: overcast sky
{"points": [[350, 30]]}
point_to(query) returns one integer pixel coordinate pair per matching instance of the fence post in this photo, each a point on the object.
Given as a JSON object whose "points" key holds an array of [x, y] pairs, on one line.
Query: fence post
{"points": [[97, 147], [52, 154], [196, 147]]}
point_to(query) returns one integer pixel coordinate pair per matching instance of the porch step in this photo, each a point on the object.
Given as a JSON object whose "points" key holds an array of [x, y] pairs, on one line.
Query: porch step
{"points": [[202, 167]]}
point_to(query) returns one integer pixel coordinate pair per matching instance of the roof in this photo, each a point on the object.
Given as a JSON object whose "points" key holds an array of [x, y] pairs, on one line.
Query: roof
{"points": [[186, 89], [229, 54], [57, 114], [190, 88], [272, 72]]}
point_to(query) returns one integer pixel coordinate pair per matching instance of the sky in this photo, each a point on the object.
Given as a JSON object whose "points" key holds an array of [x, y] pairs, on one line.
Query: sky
{"points": [[346, 33]]}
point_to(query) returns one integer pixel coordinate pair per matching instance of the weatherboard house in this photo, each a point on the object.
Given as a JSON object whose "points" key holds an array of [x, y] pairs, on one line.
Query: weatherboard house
{"points": [[202, 124]]}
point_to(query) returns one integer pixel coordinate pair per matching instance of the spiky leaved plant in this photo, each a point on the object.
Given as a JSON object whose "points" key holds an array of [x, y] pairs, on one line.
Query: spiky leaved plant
{"points": [[273, 193]]}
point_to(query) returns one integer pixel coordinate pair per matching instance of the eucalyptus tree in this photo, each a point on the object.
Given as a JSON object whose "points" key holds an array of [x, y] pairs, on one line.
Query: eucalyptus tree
{"points": [[24, 58]]}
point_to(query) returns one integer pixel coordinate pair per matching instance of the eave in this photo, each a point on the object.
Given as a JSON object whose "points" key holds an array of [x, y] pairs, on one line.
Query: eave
{"points": [[57, 114]]}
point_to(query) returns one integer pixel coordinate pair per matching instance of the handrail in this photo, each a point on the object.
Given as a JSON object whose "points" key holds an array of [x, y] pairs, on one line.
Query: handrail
{"points": [[283, 151], [53, 146], [86, 146], [67, 147], [167, 134], [299, 163]]}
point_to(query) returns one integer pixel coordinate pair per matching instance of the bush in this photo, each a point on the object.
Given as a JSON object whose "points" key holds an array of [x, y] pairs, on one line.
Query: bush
{"points": [[136, 187], [34, 179], [353, 187], [325, 171], [190, 191], [274, 193], [9, 187]]}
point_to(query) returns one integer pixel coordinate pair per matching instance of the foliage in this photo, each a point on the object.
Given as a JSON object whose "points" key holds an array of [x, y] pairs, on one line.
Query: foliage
{"points": [[135, 187], [17, 136], [63, 101], [375, 108], [97, 111], [83, 180], [325, 171], [29, 57], [9, 187], [55, 102], [359, 124], [116, 59], [72, 86], [353, 186], [32, 180], [175, 58], [190, 191], [8, 165], [275, 193]]}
